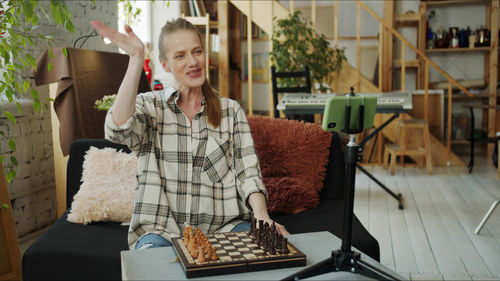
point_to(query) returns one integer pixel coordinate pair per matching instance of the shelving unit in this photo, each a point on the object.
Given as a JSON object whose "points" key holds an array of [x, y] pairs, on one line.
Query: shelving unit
{"points": [[490, 56]]}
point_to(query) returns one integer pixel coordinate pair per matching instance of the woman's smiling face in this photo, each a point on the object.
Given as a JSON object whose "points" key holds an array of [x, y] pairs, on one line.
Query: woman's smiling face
{"points": [[185, 58]]}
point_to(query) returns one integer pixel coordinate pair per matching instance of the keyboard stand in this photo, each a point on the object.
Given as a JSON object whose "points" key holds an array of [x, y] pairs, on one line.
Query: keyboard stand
{"points": [[399, 196]]}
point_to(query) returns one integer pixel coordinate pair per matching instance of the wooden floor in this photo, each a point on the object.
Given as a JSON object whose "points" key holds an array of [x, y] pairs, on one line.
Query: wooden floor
{"points": [[433, 237]]}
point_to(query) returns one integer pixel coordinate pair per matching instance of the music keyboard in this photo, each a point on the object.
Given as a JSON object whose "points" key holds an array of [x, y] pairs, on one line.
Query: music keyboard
{"points": [[390, 102]]}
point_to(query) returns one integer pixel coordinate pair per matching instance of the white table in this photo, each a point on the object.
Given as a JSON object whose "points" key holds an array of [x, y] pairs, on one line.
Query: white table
{"points": [[156, 264]]}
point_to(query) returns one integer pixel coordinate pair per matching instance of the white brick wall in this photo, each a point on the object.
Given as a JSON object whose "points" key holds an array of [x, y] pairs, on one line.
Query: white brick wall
{"points": [[33, 191]]}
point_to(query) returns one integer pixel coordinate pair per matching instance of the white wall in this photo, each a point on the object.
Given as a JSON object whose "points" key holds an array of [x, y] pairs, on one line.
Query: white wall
{"points": [[160, 14]]}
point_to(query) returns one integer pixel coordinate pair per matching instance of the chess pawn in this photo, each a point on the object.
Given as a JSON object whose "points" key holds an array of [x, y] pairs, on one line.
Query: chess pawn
{"points": [[279, 243], [186, 240], [207, 248], [214, 256], [272, 250], [195, 253], [201, 255], [192, 244], [284, 246]]}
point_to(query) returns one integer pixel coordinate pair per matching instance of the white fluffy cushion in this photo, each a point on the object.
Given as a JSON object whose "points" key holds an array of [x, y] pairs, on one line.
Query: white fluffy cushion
{"points": [[108, 187]]}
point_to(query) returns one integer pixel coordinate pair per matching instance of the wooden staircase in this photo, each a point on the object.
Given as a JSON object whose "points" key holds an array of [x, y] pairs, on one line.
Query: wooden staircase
{"points": [[267, 10]]}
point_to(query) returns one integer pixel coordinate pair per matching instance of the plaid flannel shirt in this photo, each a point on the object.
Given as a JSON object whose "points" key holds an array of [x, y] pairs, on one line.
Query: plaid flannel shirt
{"points": [[188, 173]]}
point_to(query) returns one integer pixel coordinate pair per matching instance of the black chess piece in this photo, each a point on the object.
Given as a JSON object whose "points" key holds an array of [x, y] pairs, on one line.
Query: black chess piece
{"points": [[284, 246], [280, 242], [271, 250], [252, 226]]}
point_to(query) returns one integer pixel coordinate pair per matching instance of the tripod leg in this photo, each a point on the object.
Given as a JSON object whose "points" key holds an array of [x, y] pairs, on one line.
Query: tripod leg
{"points": [[368, 270], [398, 197]]}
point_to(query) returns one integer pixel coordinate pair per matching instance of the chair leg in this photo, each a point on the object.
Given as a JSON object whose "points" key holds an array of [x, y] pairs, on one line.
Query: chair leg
{"points": [[386, 158], [393, 163], [486, 217], [428, 154]]}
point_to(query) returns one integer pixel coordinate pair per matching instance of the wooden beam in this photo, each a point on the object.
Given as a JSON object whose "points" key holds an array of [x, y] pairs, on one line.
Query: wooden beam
{"points": [[380, 54], [235, 52], [403, 66], [421, 44], [426, 92], [271, 100], [10, 256], [336, 23], [493, 73], [223, 18], [387, 43], [448, 133], [313, 14], [250, 62], [486, 57], [358, 47]]}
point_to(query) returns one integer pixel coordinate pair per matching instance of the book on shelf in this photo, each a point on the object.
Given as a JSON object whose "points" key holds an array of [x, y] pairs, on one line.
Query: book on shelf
{"points": [[201, 8], [211, 9], [191, 9]]}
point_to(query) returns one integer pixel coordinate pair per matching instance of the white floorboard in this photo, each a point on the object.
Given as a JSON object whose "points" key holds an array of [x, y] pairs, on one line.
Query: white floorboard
{"points": [[433, 237]]}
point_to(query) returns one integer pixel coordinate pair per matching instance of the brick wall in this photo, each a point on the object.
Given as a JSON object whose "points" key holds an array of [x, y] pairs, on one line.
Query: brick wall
{"points": [[33, 191]]}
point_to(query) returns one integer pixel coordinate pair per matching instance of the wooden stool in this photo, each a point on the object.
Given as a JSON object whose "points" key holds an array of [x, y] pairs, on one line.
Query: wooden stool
{"points": [[420, 131]]}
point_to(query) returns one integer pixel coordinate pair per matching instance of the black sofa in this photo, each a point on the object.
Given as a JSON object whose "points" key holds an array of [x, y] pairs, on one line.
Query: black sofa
{"points": [[68, 251]]}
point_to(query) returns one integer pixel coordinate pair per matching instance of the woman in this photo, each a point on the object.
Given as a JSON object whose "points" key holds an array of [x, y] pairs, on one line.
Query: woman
{"points": [[197, 161]]}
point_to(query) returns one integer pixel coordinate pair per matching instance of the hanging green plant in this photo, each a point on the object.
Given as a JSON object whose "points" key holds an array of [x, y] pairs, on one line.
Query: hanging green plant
{"points": [[18, 35], [296, 44]]}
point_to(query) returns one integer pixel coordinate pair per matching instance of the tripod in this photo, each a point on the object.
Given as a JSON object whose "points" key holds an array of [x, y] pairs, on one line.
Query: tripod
{"points": [[399, 196], [345, 259]]}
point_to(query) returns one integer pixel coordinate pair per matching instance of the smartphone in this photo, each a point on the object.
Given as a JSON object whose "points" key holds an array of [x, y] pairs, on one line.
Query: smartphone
{"points": [[335, 108]]}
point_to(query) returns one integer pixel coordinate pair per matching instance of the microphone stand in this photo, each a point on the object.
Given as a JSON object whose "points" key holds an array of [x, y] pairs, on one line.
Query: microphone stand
{"points": [[345, 259]]}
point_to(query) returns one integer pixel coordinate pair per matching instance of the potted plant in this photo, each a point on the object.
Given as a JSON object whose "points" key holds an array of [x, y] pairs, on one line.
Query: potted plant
{"points": [[296, 44]]}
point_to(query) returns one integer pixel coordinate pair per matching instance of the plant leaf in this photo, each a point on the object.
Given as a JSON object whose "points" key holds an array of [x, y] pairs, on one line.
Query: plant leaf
{"points": [[12, 145], [10, 117], [13, 160], [26, 86]]}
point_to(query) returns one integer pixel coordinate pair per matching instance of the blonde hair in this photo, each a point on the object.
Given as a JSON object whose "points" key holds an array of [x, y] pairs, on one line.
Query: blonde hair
{"points": [[213, 108]]}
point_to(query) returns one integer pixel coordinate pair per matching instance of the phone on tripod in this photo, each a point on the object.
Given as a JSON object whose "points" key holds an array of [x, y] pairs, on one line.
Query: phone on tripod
{"points": [[334, 118]]}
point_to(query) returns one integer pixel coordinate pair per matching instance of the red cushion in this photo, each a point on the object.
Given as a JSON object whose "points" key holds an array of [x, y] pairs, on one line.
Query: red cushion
{"points": [[293, 156]]}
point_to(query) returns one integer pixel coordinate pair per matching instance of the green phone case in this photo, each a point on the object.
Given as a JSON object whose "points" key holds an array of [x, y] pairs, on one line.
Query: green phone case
{"points": [[334, 114]]}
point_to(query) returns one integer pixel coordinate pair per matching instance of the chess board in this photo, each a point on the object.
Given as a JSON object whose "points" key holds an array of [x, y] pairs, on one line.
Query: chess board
{"points": [[237, 253]]}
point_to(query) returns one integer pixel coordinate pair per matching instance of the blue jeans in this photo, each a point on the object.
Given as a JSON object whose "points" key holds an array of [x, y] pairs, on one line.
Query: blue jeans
{"points": [[153, 240]]}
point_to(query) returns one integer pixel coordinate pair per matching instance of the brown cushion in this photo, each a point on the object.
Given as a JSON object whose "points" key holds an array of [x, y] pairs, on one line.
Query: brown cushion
{"points": [[293, 156]]}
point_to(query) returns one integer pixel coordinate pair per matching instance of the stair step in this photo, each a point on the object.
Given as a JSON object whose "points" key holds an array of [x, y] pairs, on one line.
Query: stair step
{"points": [[410, 18], [409, 63]]}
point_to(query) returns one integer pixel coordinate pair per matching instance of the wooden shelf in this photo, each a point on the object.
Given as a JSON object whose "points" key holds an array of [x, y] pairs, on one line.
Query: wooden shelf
{"points": [[460, 142], [256, 81], [411, 18], [409, 63], [451, 50], [464, 96], [455, 2]]}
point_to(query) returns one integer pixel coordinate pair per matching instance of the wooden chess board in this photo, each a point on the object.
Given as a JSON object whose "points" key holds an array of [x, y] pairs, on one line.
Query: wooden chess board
{"points": [[237, 253]]}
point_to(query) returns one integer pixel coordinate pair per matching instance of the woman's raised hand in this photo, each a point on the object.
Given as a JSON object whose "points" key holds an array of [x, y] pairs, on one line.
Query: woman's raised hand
{"points": [[129, 42]]}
